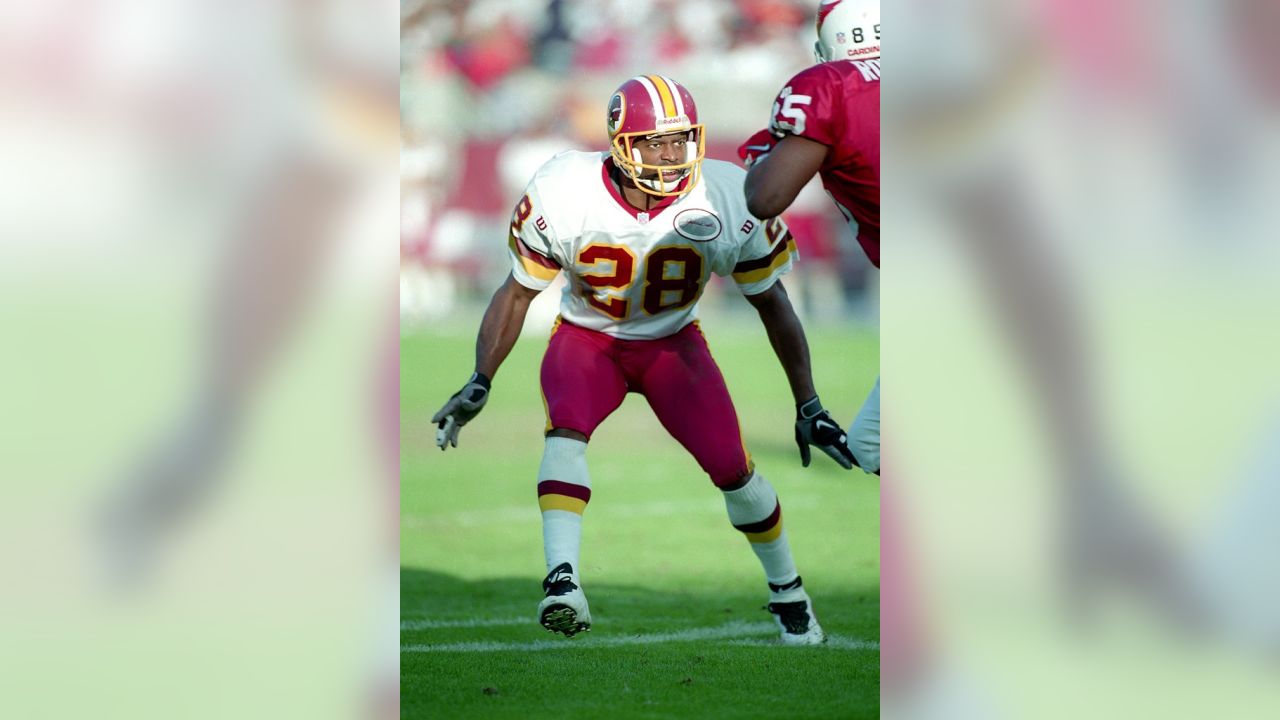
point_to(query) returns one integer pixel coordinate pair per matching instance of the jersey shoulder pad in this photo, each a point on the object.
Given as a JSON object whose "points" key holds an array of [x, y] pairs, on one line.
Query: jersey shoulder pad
{"points": [[723, 173], [568, 166], [558, 184], [724, 188], [819, 75]]}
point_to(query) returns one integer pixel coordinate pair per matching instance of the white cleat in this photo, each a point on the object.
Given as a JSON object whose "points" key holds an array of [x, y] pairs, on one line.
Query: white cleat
{"points": [[793, 612], [564, 609]]}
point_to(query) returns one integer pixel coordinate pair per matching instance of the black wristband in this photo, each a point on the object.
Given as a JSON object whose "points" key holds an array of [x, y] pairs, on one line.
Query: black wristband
{"points": [[809, 408], [479, 379]]}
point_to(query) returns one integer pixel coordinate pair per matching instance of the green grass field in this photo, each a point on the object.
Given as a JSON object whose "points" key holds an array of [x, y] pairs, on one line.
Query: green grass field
{"points": [[676, 594]]}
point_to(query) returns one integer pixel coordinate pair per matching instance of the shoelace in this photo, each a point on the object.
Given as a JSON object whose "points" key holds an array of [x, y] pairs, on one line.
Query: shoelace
{"points": [[793, 615]]}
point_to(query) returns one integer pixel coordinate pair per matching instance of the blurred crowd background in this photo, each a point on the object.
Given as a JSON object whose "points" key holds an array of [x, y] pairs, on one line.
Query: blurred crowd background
{"points": [[198, 203], [492, 89]]}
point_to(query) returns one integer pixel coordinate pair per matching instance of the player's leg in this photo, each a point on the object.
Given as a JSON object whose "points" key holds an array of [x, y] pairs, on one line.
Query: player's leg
{"points": [[678, 373], [581, 386], [864, 432]]}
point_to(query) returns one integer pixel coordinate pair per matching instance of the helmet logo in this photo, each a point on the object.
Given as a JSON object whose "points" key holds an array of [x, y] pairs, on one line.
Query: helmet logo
{"points": [[825, 9], [617, 111]]}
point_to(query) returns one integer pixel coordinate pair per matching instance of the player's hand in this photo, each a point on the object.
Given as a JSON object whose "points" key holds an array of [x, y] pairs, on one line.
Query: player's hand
{"points": [[461, 408], [756, 147], [814, 426]]}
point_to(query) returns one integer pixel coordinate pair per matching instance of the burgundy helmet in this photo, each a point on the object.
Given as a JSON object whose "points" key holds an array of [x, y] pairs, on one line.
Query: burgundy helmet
{"points": [[648, 105]]}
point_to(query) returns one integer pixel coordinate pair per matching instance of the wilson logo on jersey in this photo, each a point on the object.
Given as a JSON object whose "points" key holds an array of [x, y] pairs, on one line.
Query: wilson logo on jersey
{"points": [[698, 225]]}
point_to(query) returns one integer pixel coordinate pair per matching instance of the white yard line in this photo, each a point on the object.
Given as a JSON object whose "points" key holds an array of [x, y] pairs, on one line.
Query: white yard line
{"points": [[731, 630], [737, 632], [844, 643], [836, 642]]}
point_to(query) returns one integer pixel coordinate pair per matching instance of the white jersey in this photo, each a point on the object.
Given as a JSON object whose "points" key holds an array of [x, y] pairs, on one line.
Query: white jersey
{"points": [[633, 274]]}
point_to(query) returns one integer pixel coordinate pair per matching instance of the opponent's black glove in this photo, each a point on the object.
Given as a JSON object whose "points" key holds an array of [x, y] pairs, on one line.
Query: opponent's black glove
{"points": [[461, 408], [814, 426]]}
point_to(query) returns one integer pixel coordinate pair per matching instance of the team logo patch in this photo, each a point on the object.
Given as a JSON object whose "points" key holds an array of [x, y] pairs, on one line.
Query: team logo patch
{"points": [[840, 38], [617, 112], [698, 225]]}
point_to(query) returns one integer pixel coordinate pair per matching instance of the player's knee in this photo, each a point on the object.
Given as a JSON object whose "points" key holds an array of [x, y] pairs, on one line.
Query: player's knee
{"points": [[731, 476], [569, 434], [564, 457]]}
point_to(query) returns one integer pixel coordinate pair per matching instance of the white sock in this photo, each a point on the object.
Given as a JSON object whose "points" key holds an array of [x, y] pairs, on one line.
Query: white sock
{"points": [[755, 511], [564, 488]]}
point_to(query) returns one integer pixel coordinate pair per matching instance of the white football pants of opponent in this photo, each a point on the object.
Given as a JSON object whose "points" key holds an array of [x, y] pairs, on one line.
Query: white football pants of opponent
{"points": [[864, 432]]}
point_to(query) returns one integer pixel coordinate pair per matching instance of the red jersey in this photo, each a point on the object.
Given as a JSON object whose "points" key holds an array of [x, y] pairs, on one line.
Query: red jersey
{"points": [[838, 104]]}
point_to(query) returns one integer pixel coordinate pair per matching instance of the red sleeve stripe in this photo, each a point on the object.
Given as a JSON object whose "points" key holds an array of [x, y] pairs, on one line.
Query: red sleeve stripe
{"points": [[527, 252], [555, 487], [778, 248]]}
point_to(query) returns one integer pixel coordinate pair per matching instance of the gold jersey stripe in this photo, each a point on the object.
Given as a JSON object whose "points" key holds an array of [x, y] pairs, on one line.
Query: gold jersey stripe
{"points": [[535, 270], [538, 271], [752, 276]]}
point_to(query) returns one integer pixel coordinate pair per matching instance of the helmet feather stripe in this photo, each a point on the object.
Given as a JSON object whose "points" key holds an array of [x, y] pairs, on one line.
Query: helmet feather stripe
{"points": [[675, 93], [668, 104], [653, 91]]}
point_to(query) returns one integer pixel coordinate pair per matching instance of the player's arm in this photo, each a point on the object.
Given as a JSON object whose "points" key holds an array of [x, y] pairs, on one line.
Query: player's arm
{"points": [[498, 334], [775, 178], [501, 325], [786, 335], [814, 425]]}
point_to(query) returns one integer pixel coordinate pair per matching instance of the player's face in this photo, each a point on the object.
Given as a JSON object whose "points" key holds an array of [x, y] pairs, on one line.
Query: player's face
{"points": [[663, 150]]}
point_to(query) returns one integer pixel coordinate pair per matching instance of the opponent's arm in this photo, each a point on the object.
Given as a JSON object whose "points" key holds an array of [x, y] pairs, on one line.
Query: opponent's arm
{"points": [[498, 334], [776, 176], [814, 425]]}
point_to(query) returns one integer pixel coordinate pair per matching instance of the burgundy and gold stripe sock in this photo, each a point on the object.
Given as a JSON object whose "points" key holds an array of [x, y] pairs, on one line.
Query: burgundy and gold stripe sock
{"points": [[755, 511], [564, 489]]}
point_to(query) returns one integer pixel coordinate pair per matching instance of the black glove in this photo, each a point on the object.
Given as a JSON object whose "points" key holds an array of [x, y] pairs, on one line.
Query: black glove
{"points": [[814, 426], [461, 408]]}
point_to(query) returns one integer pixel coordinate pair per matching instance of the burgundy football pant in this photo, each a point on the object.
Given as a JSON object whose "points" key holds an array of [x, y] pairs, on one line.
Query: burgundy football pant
{"points": [[586, 374]]}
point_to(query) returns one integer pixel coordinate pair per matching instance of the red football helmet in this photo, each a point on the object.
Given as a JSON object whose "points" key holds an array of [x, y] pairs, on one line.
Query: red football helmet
{"points": [[648, 105]]}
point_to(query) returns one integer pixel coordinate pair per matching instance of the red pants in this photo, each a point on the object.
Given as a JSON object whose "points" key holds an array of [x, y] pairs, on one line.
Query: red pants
{"points": [[586, 374]]}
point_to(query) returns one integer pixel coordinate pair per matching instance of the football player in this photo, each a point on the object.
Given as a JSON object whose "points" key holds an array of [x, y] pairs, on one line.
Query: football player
{"points": [[638, 230], [826, 121]]}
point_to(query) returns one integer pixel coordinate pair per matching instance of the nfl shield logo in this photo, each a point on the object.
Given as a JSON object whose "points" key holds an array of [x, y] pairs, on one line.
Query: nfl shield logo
{"points": [[840, 38]]}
